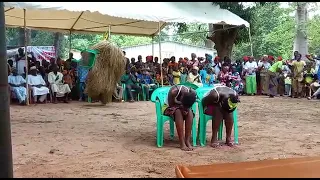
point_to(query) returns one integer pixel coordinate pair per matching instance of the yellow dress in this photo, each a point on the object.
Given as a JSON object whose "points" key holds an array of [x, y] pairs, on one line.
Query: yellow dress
{"points": [[176, 77]]}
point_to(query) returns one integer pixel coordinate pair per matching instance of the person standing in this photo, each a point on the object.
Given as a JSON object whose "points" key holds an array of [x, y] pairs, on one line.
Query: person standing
{"points": [[297, 80], [220, 103], [250, 74], [263, 67], [272, 78]]}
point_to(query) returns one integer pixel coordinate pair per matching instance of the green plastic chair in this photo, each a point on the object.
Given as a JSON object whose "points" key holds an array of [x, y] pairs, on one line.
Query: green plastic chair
{"points": [[203, 119], [188, 84], [158, 97], [125, 93]]}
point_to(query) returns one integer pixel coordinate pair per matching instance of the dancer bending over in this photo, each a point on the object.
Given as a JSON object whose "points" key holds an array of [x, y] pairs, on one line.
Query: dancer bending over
{"points": [[220, 102], [180, 99]]}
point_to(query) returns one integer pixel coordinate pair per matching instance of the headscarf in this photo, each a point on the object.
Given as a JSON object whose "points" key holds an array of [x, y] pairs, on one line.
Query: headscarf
{"points": [[271, 58], [245, 58], [149, 58], [209, 58]]}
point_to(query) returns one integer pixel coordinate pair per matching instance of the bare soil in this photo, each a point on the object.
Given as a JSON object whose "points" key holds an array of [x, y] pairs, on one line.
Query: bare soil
{"points": [[118, 140]]}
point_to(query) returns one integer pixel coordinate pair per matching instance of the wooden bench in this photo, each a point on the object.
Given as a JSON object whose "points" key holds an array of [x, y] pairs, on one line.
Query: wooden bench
{"points": [[308, 167]]}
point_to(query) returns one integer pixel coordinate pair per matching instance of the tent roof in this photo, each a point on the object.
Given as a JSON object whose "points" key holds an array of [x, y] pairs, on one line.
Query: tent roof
{"points": [[133, 18]]}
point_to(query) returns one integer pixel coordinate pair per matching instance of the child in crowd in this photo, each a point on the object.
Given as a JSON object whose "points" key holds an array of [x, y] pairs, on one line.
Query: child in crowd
{"points": [[184, 75], [287, 84]]}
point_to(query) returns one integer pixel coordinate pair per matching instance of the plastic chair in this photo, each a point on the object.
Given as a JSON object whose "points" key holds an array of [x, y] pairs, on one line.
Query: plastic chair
{"points": [[188, 84], [125, 93], [158, 97], [204, 118]]}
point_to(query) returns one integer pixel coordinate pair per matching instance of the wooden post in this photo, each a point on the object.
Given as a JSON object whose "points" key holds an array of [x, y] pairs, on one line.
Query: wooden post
{"points": [[6, 169]]}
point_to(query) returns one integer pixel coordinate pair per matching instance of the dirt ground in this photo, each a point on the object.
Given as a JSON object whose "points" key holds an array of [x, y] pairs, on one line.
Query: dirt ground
{"points": [[87, 140]]}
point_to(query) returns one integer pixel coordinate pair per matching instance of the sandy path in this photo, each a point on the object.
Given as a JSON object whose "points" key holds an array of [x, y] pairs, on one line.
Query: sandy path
{"points": [[87, 140]]}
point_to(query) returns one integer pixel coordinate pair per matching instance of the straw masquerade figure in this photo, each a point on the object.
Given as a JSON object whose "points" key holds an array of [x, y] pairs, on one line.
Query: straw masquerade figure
{"points": [[106, 72]]}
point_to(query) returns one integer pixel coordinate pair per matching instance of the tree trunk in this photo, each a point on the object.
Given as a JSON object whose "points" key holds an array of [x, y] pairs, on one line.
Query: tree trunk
{"points": [[301, 40], [57, 43], [208, 42], [223, 38]]}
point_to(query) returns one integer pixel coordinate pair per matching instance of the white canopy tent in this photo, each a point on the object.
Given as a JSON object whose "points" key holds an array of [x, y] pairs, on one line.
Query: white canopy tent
{"points": [[131, 18]]}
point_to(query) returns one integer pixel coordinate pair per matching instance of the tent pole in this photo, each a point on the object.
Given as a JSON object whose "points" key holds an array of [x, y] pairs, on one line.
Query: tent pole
{"points": [[109, 32], [6, 169], [251, 47], [152, 46], [159, 35], [70, 41], [26, 53]]}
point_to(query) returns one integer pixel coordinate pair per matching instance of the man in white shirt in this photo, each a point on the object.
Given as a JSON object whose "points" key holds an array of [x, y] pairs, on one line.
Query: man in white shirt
{"points": [[38, 86], [17, 86], [250, 69], [58, 87]]}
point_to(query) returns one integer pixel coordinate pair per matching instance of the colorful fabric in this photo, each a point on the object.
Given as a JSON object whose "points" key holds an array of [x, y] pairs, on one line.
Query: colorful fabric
{"points": [[82, 73], [170, 111], [273, 83], [276, 66], [176, 77], [251, 84]]}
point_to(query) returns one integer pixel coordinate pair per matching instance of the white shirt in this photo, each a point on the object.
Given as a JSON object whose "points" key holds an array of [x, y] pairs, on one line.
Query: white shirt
{"points": [[266, 64], [317, 65], [52, 78], [16, 80], [216, 67], [21, 64], [36, 80], [250, 67]]}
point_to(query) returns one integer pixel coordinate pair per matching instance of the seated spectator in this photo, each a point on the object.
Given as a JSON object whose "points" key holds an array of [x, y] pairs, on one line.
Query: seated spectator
{"points": [[172, 62], [183, 75], [237, 83], [193, 62], [176, 75], [147, 83], [194, 77], [131, 83], [58, 87], [224, 76], [209, 79], [17, 86], [170, 76], [38, 86]]}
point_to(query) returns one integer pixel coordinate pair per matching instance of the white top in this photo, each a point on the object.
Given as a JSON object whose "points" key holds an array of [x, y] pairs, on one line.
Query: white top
{"points": [[250, 67], [317, 65], [16, 80], [55, 79], [265, 64], [36, 80], [21, 64]]}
